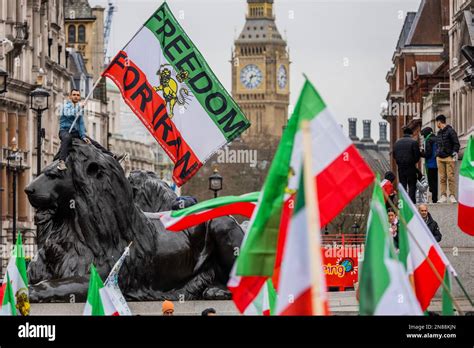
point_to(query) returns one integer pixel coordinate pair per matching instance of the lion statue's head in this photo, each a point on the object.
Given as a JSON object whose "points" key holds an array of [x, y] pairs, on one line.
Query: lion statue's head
{"points": [[86, 214], [150, 193]]}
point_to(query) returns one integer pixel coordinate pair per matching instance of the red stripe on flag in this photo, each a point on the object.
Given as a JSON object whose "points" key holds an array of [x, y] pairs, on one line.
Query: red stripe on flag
{"points": [[151, 110], [302, 305], [247, 290], [346, 177], [241, 208], [286, 214], [426, 282], [466, 219], [2, 292]]}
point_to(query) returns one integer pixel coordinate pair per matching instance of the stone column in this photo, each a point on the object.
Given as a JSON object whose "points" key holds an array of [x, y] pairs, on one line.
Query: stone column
{"points": [[12, 133], [22, 175], [3, 173]]}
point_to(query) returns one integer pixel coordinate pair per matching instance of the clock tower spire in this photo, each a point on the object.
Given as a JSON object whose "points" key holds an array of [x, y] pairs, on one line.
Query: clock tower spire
{"points": [[260, 71]]}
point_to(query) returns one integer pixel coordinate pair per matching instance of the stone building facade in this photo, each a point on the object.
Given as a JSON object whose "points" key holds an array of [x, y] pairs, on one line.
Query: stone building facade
{"points": [[420, 64], [461, 32], [32, 51]]}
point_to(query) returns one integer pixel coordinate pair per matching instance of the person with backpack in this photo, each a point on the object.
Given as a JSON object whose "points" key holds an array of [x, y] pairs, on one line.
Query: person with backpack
{"points": [[431, 166]]}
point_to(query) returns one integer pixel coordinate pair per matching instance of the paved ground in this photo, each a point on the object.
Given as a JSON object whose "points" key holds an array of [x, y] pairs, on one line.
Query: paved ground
{"points": [[341, 303]]}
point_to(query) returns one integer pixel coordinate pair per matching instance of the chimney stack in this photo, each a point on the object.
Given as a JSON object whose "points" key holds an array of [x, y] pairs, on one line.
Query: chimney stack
{"points": [[383, 143], [353, 129], [367, 140], [366, 130]]}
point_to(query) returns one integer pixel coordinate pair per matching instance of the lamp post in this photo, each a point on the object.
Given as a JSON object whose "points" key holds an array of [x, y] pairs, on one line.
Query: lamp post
{"points": [[215, 182], [14, 163], [39, 102], [3, 81]]}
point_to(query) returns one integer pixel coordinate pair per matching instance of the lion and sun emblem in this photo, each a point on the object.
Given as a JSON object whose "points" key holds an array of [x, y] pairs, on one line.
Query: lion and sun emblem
{"points": [[171, 90]]}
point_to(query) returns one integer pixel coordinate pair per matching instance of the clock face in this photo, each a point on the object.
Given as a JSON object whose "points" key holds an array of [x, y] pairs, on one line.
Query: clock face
{"points": [[282, 77], [251, 76]]}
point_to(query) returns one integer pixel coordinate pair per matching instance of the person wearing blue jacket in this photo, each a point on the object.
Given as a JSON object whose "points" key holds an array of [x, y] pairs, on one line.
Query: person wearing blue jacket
{"points": [[429, 153], [69, 111]]}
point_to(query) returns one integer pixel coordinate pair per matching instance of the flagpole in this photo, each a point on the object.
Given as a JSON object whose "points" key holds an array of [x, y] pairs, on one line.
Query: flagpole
{"points": [[430, 263], [313, 229]]}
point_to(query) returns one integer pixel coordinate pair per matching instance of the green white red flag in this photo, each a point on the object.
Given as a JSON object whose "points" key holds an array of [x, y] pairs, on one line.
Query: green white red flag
{"points": [[168, 84], [18, 279], [466, 190], [7, 299], [339, 170], [418, 248], [98, 299], [296, 289], [245, 289], [384, 288], [178, 220], [264, 303]]}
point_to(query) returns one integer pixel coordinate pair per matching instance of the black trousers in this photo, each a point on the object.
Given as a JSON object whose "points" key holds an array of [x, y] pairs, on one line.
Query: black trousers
{"points": [[407, 177], [66, 143], [432, 174]]}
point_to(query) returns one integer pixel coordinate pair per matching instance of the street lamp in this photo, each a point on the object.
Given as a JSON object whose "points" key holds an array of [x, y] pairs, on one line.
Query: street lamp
{"points": [[215, 182], [39, 102], [3, 81], [14, 163]]}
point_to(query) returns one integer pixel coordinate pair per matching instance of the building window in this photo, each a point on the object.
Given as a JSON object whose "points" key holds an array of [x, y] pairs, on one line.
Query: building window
{"points": [[81, 36], [71, 33]]}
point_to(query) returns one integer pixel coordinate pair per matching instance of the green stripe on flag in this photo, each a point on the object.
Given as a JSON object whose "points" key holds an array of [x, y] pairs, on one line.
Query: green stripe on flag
{"points": [[93, 295], [406, 214], [182, 54], [467, 165], [272, 296], [257, 256], [374, 276], [20, 260], [310, 103], [447, 304], [216, 202]]}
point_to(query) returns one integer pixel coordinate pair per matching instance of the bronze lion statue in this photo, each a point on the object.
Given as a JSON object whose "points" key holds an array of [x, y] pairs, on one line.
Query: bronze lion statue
{"points": [[91, 212]]}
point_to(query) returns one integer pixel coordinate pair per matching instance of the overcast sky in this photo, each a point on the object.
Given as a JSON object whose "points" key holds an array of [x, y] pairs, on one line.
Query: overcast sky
{"points": [[344, 46]]}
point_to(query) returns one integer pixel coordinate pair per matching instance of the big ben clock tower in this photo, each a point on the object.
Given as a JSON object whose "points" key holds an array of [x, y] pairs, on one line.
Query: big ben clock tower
{"points": [[260, 72]]}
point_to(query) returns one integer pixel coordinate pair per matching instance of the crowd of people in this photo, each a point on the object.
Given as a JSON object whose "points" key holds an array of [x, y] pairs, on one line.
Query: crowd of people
{"points": [[390, 194], [440, 152]]}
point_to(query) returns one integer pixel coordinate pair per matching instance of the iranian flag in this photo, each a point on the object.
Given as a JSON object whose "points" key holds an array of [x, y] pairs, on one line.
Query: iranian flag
{"points": [[466, 190], [301, 289], [17, 279], [8, 299], [178, 220], [98, 298], [384, 288], [272, 213], [340, 174], [264, 303], [168, 84], [420, 252], [337, 168]]}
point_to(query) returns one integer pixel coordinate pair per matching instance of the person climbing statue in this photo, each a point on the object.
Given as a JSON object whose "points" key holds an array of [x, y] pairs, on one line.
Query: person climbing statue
{"points": [[69, 111]]}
